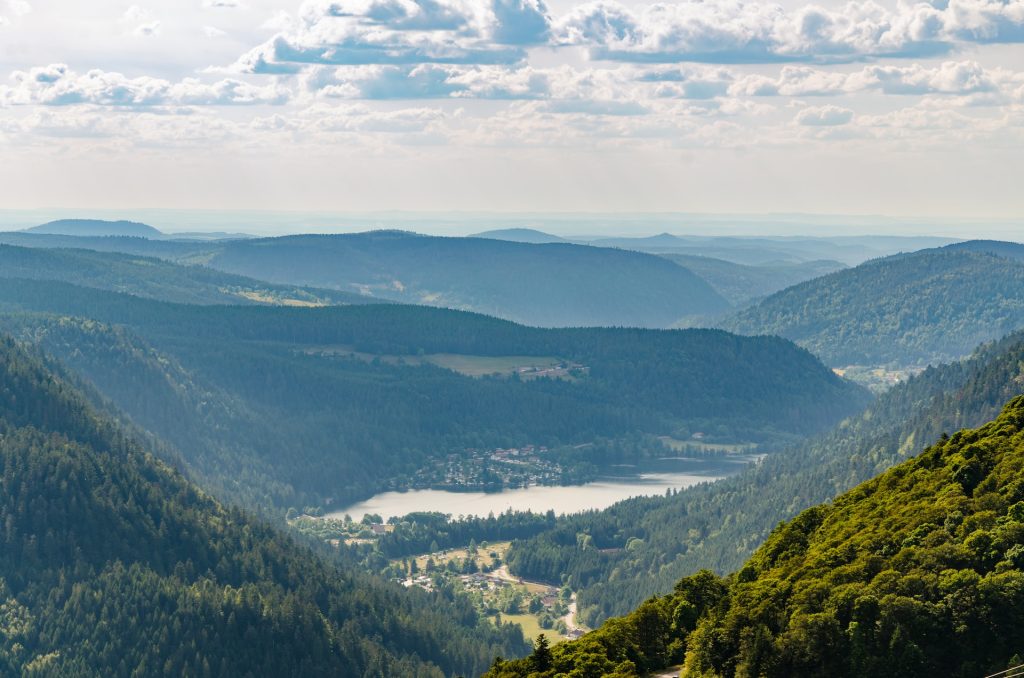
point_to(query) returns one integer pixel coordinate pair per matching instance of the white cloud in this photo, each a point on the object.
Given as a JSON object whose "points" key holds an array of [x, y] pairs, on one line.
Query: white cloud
{"points": [[213, 32], [824, 116], [140, 22], [19, 7], [731, 31], [401, 32], [57, 85]]}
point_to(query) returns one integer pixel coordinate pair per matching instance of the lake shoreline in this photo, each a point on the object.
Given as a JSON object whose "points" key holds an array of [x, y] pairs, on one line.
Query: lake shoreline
{"points": [[649, 480]]}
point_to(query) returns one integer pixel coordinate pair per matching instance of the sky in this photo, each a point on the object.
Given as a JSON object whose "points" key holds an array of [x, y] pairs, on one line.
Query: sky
{"points": [[697, 106]]}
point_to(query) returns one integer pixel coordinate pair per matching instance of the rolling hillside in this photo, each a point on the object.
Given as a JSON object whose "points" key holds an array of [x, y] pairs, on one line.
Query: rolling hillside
{"points": [[918, 572], [96, 227], [911, 309], [112, 564], [158, 279], [741, 284], [718, 526], [550, 285], [287, 407]]}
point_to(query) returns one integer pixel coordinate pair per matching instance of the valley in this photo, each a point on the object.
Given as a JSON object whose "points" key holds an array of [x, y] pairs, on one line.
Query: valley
{"points": [[511, 339], [520, 480]]}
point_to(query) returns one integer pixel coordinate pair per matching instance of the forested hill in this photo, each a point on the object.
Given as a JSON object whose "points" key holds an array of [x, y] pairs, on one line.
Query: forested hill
{"points": [[911, 309], [96, 227], [740, 284], [551, 285], [111, 564], [289, 406], [919, 572], [159, 279], [718, 526]]}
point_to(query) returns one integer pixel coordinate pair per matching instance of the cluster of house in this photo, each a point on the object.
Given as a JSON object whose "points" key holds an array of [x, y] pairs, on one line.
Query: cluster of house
{"points": [[421, 580], [518, 454]]}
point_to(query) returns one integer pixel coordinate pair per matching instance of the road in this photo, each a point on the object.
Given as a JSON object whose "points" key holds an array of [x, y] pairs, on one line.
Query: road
{"points": [[570, 617]]}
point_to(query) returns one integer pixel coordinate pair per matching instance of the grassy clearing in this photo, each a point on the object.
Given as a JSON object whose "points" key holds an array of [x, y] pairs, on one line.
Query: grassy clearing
{"points": [[483, 555], [527, 367], [531, 627], [478, 365]]}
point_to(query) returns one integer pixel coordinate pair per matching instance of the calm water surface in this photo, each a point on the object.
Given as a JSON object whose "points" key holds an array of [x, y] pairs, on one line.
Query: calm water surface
{"points": [[653, 479]]}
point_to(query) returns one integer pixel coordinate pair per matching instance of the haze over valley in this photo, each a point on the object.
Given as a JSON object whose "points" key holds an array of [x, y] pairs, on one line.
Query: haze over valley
{"points": [[511, 339]]}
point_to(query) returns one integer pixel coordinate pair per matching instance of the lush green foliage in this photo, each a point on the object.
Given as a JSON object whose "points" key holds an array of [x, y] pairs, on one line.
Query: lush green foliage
{"points": [[157, 279], [262, 412], [717, 526], [111, 564], [918, 572], [911, 309]]}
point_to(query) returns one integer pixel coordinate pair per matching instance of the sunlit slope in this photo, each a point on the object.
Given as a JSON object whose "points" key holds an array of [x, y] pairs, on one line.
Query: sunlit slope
{"points": [[918, 572], [929, 306]]}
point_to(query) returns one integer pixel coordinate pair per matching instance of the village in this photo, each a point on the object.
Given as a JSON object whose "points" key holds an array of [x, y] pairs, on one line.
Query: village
{"points": [[479, 572], [490, 470]]}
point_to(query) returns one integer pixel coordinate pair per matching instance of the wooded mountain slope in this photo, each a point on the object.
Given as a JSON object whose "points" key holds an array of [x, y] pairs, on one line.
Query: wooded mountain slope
{"points": [[159, 279], [742, 283], [111, 564], [296, 405], [919, 572], [551, 285], [718, 526], [929, 306]]}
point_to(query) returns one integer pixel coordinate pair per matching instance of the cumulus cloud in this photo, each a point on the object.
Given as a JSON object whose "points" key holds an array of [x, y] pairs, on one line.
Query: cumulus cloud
{"points": [[731, 31], [824, 116], [401, 32], [57, 85], [957, 78]]}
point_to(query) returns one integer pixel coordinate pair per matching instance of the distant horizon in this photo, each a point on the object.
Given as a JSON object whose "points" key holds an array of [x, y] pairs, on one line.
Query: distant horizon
{"points": [[568, 224]]}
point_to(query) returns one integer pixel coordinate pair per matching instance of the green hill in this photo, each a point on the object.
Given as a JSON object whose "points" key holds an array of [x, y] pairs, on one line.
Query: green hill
{"points": [[112, 564], [718, 526], [912, 309], [158, 279], [290, 406], [918, 572], [740, 284], [549, 285], [552, 285], [96, 227]]}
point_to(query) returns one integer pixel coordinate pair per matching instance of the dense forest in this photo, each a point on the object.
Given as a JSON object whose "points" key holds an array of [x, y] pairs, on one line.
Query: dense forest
{"points": [[741, 284], [552, 285], [910, 309], [549, 285], [267, 415], [111, 564], [618, 557], [158, 279], [918, 572]]}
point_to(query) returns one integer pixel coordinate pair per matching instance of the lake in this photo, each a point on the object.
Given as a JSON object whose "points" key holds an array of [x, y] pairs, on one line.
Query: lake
{"points": [[654, 478]]}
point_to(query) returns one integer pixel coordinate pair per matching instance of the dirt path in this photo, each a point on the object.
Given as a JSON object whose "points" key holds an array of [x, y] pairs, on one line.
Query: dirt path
{"points": [[570, 617]]}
